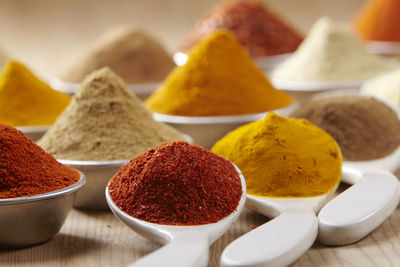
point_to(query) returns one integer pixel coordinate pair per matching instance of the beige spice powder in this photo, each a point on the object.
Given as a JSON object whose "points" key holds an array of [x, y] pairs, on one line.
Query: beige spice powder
{"points": [[103, 122]]}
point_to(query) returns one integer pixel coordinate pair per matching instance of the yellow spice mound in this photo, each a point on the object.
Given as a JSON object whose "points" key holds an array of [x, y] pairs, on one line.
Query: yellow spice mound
{"points": [[282, 157], [25, 100], [219, 78]]}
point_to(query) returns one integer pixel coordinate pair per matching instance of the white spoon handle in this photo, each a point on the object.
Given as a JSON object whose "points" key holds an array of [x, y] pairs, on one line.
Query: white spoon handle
{"points": [[183, 251], [275, 243], [359, 210]]}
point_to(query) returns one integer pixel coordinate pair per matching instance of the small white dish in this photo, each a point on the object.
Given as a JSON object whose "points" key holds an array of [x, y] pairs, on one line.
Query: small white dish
{"points": [[282, 240], [302, 86], [142, 90], [207, 130], [27, 221], [266, 63], [34, 132], [269, 62], [383, 48], [184, 245]]}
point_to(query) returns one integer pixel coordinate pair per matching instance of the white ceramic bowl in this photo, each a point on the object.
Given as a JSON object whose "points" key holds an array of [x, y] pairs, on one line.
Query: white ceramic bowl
{"points": [[205, 131], [26, 221], [384, 48], [34, 132], [265, 63], [142, 90]]}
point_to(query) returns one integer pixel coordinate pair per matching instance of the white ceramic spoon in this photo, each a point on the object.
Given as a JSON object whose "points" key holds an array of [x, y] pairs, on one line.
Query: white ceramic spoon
{"points": [[187, 246], [364, 206], [282, 240]]}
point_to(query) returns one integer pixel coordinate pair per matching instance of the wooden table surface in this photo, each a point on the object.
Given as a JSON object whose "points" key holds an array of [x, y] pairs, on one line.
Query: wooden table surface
{"points": [[46, 34], [99, 239]]}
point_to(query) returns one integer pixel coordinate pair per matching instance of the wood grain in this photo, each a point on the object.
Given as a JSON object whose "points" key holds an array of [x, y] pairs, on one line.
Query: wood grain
{"points": [[99, 239]]}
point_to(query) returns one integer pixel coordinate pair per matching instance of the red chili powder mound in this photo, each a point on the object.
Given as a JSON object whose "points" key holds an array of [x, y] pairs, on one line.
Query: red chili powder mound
{"points": [[177, 184], [26, 169], [256, 28]]}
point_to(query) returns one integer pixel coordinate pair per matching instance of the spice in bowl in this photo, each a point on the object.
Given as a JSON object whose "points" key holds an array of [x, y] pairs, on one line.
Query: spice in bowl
{"points": [[378, 20], [105, 122], [331, 53], [364, 127], [283, 157], [256, 28], [27, 170], [129, 51], [219, 78], [27, 101], [386, 87], [177, 184]]}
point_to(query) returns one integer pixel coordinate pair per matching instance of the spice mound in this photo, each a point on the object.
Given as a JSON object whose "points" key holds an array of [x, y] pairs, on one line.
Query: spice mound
{"points": [[282, 157], [259, 30], [331, 52], [177, 184], [103, 122], [364, 128], [378, 20], [26, 170], [219, 78], [386, 87], [132, 53], [27, 101]]}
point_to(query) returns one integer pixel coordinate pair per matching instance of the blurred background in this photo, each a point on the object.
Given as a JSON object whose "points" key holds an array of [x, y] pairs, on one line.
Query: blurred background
{"points": [[48, 34]]}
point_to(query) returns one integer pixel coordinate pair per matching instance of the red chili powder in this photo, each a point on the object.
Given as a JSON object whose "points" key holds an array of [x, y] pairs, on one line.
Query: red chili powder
{"points": [[177, 184], [260, 31], [26, 169]]}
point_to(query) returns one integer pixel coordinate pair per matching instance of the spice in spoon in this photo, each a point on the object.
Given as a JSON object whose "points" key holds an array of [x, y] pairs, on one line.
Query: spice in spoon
{"points": [[219, 78], [27, 170], [364, 128], [27, 101], [282, 157], [177, 184]]}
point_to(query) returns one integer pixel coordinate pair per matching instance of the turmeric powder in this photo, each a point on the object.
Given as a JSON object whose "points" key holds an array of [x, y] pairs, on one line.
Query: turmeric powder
{"points": [[283, 157], [219, 78], [25, 100], [379, 20]]}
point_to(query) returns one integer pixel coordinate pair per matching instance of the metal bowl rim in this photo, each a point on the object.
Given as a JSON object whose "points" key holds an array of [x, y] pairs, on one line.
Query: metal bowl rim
{"points": [[70, 189]]}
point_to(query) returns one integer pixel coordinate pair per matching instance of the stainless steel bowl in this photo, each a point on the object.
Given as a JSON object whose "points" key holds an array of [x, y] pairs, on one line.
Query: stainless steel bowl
{"points": [[98, 173], [91, 196], [26, 221], [34, 132]]}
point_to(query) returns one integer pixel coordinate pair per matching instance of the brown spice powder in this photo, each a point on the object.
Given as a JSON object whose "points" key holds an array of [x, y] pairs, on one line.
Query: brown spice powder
{"points": [[131, 53], [364, 128]]}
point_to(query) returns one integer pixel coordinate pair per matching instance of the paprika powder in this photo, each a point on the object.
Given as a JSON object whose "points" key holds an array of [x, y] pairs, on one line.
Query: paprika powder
{"points": [[177, 184], [26, 169], [259, 30]]}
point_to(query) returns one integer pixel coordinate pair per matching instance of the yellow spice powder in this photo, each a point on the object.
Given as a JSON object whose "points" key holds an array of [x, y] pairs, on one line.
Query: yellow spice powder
{"points": [[219, 78], [282, 157], [27, 101]]}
